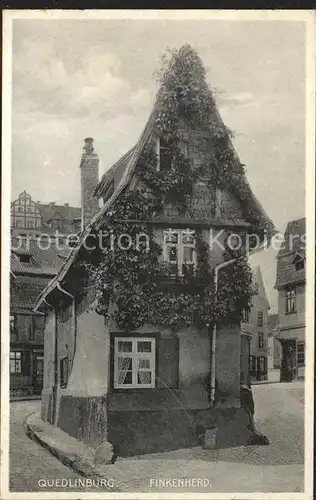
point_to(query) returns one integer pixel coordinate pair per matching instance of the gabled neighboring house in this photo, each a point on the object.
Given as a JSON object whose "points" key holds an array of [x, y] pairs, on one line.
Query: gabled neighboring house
{"points": [[31, 270], [30, 218], [290, 283], [132, 364], [255, 325], [274, 356], [41, 237]]}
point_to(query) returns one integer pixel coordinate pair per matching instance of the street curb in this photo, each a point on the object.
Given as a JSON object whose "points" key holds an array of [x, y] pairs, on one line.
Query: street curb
{"points": [[25, 398], [73, 460]]}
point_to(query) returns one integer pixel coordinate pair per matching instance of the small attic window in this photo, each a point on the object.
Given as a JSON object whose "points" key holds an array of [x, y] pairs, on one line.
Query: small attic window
{"points": [[25, 257], [299, 262], [299, 265], [164, 155]]}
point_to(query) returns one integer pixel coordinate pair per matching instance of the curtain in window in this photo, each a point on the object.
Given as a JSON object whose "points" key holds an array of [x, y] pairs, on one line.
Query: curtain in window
{"points": [[144, 377], [124, 365]]}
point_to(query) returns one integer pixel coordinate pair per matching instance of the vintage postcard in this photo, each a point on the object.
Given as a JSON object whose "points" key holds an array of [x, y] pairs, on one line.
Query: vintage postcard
{"points": [[158, 244]]}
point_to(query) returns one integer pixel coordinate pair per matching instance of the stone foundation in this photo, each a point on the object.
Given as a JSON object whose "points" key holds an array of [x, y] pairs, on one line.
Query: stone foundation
{"points": [[84, 418], [140, 432]]}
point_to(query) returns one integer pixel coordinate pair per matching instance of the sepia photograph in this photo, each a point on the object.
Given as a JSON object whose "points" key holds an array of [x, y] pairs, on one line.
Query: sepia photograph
{"points": [[158, 246]]}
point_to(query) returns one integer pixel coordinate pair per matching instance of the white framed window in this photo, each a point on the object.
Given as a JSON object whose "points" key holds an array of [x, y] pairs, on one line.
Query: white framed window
{"points": [[134, 362], [179, 248]]}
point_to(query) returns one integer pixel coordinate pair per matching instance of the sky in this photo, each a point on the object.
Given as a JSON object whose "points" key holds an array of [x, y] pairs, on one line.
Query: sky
{"points": [[96, 78]]}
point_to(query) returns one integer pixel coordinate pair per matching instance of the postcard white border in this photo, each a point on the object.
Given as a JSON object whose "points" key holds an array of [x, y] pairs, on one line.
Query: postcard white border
{"points": [[234, 15]]}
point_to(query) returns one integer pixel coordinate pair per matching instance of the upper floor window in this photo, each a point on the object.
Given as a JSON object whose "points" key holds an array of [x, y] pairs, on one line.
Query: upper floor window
{"points": [[290, 304], [134, 362], [20, 209], [30, 224], [179, 249], [256, 288], [164, 155], [245, 316], [260, 318], [260, 341], [57, 224]]}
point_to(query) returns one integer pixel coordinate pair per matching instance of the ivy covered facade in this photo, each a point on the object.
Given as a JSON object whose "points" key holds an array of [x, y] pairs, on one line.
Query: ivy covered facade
{"points": [[140, 311]]}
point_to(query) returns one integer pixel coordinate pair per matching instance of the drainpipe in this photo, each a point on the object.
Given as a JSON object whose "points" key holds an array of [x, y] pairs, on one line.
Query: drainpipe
{"points": [[213, 345], [55, 363], [74, 318]]}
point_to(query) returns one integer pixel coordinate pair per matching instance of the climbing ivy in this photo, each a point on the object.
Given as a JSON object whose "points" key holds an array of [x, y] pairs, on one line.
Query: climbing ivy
{"points": [[134, 286]]}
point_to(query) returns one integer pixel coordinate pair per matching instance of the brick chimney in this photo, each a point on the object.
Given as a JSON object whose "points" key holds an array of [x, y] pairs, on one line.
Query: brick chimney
{"points": [[89, 167]]}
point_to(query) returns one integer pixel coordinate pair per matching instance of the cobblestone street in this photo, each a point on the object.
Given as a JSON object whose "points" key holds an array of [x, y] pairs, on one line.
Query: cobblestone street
{"points": [[277, 467], [30, 462]]}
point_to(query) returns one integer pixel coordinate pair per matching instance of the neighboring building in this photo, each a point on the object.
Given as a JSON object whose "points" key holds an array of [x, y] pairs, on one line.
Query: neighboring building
{"points": [[30, 218], [31, 270], [39, 247], [290, 283], [145, 389], [255, 325], [274, 356]]}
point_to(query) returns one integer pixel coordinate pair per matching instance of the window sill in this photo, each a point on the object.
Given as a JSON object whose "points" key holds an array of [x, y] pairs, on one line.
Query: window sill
{"points": [[290, 312]]}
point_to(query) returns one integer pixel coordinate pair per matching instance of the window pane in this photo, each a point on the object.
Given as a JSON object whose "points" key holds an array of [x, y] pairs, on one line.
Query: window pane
{"points": [[124, 364], [124, 346], [172, 254], [144, 363], [125, 378], [144, 377], [18, 354], [12, 366], [171, 237], [124, 370], [187, 254], [18, 366], [143, 346], [188, 237]]}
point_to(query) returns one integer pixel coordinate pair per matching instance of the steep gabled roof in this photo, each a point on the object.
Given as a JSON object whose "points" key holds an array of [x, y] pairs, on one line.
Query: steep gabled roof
{"points": [[113, 175], [119, 177], [258, 278], [294, 244]]}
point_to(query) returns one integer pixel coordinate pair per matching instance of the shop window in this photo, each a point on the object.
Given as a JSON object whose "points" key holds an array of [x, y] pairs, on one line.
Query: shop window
{"points": [[15, 363]]}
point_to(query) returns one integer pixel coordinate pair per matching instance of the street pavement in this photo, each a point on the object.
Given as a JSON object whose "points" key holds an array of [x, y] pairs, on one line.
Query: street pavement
{"points": [[278, 467], [29, 462]]}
